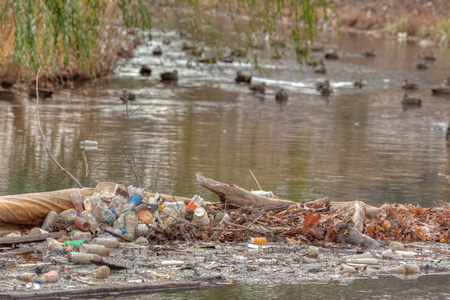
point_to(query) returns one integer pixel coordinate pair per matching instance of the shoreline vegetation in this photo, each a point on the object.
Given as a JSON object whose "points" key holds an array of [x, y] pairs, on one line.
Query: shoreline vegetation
{"points": [[102, 34]]}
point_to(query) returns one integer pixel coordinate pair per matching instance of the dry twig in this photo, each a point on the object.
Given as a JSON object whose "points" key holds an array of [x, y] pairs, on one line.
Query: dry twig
{"points": [[45, 139]]}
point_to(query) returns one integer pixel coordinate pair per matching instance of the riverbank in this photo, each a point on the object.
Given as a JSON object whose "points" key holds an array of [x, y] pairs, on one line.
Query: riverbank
{"points": [[426, 21], [185, 266]]}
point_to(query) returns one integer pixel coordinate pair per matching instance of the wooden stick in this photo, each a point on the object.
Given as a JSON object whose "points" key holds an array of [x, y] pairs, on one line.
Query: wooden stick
{"points": [[256, 180], [335, 215]]}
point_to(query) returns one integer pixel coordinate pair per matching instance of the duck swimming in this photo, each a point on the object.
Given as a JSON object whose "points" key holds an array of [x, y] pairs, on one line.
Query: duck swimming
{"points": [[411, 101], [281, 96], [169, 76]]}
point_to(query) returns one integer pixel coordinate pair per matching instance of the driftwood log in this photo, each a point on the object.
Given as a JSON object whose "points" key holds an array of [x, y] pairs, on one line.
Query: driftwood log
{"points": [[232, 194]]}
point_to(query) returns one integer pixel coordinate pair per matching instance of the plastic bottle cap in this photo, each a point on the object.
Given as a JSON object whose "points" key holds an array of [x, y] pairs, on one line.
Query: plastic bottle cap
{"points": [[38, 281]]}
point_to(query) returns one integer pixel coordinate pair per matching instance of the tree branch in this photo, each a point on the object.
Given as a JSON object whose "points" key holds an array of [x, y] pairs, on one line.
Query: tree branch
{"points": [[44, 138]]}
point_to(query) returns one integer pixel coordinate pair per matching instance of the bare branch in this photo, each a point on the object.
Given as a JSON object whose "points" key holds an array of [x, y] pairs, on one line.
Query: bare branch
{"points": [[133, 161], [45, 140]]}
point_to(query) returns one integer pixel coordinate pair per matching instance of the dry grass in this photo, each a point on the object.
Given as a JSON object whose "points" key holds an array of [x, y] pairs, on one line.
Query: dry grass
{"points": [[420, 19]]}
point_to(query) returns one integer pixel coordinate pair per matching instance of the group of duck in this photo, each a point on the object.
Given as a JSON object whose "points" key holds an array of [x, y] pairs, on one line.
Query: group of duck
{"points": [[323, 87]]}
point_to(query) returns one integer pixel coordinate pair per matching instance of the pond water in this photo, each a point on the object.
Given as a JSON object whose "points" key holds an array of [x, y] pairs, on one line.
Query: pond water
{"points": [[387, 287], [356, 144]]}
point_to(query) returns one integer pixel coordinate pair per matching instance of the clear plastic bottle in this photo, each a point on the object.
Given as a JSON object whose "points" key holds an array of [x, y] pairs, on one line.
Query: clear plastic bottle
{"points": [[108, 242], [80, 235], [117, 200], [54, 246], [101, 272], [82, 258], [37, 230], [77, 201], [68, 215], [94, 249], [49, 221], [201, 217], [98, 210], [222, 224], [108, 216], [49, 277], [131, 222], [120, 222], [30, 277]]}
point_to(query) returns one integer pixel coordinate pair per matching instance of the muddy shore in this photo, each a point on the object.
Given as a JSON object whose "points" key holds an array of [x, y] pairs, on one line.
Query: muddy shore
{"points": [[185, 266]]}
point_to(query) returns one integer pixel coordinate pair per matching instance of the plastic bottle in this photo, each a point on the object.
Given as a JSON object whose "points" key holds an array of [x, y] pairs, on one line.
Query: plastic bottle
{"points": [[37, 230], [95, 249], [117, 200], [75, 244], [137, 197], [142, 229], [81, 224], [153, 200], [80, 235], [83, 258], [131, 222], [127, 208], [222, 224], [95, 227], [68, 215], [77, 201], [365, 261], [258, 240], [87, 203], [49, 277], [49, 221], [120, 222], [195, 202], [98, 210], [108, 242], [30, 277], [108, 216], [54, 246], [201, 217], [101, 272]]}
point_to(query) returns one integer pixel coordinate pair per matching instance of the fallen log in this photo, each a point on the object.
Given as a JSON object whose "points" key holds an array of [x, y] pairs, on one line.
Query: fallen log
{"points": [[233, 194], [349, 234]]}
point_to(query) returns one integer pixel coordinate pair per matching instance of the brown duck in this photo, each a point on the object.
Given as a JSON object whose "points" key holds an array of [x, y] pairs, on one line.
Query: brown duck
{"points": [[422, 65], [145, 71], [411, 101], [258, 88], [368, 53], [410, 85], [127, 96], [169, 76], [43, 93], [241, 77], [359, 84], [281, 96], [427, 56], [157, 51]]}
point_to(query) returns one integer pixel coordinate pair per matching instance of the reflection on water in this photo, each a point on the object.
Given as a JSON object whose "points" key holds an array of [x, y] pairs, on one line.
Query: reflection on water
{"points": [[354, 144], [385, 287]]}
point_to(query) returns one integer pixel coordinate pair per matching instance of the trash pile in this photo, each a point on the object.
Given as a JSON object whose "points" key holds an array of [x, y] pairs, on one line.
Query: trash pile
{"points": [[93, 238]]}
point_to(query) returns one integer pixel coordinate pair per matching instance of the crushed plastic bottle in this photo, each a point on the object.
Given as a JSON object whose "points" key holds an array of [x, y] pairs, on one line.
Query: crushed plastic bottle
{"points": [[95, 249], [54, 246], [136, 199], [68, 215]]}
